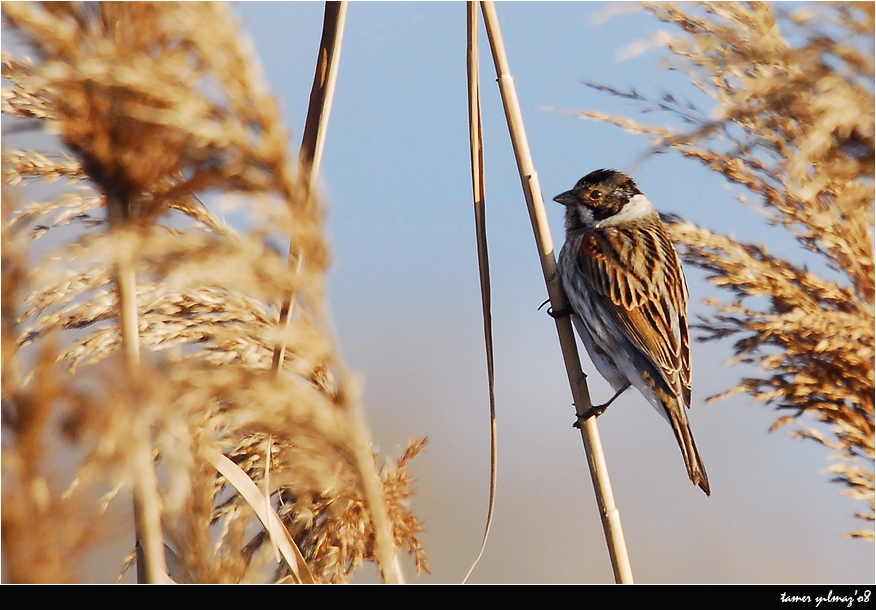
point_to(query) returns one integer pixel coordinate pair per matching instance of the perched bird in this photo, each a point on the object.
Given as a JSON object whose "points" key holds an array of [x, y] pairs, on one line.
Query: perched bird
{"points": [[628, 297]]}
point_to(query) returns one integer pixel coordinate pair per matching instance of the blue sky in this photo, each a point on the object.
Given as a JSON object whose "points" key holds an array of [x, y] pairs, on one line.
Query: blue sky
{"points": [[405, 303]]}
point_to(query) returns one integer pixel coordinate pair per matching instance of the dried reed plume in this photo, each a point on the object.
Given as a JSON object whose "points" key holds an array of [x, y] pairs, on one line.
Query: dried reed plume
{"points": [[157, 106], [796, 129]]}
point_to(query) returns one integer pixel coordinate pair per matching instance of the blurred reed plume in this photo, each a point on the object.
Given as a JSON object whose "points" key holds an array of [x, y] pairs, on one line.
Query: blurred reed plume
{"points": [[136, 319], [795, 128]]}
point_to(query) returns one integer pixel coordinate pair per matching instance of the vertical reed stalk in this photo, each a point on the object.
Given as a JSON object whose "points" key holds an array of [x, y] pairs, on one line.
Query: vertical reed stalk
{"points": [[315, 128], [151, 563], [611, 522], [384, 544], [479, 195], [310, 156]]}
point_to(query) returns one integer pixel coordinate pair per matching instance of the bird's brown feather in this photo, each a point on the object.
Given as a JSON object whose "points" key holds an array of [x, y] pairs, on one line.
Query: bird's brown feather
{"points": [[657, 327]]}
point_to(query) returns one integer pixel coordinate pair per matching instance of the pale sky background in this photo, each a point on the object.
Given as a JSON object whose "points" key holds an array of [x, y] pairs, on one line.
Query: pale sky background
{"points": [[404, 296]]}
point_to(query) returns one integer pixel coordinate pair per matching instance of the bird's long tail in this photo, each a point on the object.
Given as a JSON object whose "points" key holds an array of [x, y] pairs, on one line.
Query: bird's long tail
{"points": [[695, 468]]}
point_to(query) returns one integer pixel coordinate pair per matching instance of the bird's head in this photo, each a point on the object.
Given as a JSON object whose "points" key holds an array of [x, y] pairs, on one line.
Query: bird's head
{"points": [[601, 195]]}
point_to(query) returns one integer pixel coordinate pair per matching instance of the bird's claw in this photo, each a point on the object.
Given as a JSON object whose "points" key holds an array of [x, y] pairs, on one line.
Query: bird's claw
{"points": [[566, 311], [595, 411]]}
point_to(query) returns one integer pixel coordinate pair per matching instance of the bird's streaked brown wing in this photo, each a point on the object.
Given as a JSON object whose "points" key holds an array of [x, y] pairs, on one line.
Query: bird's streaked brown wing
{"points": [[637, 273]]}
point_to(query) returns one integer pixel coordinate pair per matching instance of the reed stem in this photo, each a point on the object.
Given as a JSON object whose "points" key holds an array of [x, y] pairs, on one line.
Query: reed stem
{"points": [[480, 211], [151, 562], [611, 522]]}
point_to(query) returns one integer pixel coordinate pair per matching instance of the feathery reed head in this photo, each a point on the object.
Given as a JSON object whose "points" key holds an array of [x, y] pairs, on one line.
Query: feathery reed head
{"points": [[164, 120], [796, 129]]}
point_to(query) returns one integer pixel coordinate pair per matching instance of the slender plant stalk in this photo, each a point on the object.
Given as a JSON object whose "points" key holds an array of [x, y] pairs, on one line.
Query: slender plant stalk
{"points": [[151, 563], [611, 522], [479, 195], [310, 156], [315, 128], [151, 567], [384, 544]]}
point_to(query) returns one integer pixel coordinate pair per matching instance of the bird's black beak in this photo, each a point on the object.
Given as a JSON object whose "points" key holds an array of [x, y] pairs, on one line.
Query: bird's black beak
{"points": [[567, 198]]}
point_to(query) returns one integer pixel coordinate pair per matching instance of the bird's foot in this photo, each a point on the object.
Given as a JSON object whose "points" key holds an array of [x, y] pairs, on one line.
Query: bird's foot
{"points": [[597, 410], [594, 411], [566, 311]]}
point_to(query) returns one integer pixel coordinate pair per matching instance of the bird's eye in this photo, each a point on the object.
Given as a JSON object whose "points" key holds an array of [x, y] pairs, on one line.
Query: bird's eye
{"points": [[595, 195]]}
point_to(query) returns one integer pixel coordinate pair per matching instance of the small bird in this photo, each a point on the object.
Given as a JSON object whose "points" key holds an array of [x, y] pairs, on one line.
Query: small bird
{"points": [[628, 297]]}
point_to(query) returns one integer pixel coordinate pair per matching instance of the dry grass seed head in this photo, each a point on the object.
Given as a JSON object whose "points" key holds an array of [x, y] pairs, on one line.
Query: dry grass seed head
{"points": [[159, 102], [795, 128]]}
